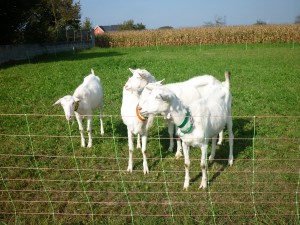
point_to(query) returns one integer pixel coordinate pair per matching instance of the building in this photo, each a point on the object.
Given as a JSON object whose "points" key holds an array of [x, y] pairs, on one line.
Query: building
{"points": [[98, 30]]}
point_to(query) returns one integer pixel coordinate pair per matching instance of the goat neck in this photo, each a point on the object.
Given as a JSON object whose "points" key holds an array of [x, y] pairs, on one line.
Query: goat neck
{"points": [[181, 116]]}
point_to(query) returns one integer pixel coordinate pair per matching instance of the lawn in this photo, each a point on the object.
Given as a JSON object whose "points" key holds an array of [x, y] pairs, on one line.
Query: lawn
{"points": [[47, 178]]}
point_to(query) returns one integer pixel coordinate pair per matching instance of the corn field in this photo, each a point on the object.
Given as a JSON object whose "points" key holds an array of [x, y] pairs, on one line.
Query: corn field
{"points": [[202, 35]]}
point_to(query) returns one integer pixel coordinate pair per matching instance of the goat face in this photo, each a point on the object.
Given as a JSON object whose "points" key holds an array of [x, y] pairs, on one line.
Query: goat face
{"points": [[69, 104], [147, 92], [157, 102], [137, 81]]}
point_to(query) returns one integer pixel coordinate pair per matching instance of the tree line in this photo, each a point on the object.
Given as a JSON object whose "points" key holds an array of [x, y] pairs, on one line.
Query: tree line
{"points": [[34, 21], [37, 20]]}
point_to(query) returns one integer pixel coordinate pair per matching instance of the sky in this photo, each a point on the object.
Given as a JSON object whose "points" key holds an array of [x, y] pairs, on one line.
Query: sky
{"points": [[189, 13]]}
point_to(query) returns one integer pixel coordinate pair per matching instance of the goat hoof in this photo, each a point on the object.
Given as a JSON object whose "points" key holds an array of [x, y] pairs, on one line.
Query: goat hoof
{"points": [[146, 171], [203, 185], [230, 162], [178, 155], [129, 170], [170, 149], [185, 188]]}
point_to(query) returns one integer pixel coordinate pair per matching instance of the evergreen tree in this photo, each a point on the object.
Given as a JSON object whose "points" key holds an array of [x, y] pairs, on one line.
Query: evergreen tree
{"points": [[87, 24]]}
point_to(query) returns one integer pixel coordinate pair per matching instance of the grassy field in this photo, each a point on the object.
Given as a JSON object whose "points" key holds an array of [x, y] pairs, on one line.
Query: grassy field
{"points": [[47, 178]]}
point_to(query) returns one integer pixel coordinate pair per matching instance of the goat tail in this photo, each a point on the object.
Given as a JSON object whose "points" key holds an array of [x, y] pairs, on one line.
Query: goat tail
{"points": [[228, 95], [227, 79]]}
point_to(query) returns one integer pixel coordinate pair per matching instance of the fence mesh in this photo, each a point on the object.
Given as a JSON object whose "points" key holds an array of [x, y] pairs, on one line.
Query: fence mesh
{"points": [[46, 176]]}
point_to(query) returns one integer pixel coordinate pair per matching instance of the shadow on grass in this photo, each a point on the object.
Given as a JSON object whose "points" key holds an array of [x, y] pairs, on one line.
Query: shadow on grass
{"points": [[65, 56], [242, 135], [121, 128]]}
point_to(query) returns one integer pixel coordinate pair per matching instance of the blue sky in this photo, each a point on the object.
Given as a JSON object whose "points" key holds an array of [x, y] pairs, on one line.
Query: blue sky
{"points": [[189, 13]]}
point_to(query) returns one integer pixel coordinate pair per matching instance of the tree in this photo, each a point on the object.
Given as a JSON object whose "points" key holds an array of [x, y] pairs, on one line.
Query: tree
{"points": [[297, 21], [66, 15], [87, 24], [165, 28], [37, 20], [37, 25], [260, 22], [218, 21], [139, 26], [129, 25], [13, 16]]}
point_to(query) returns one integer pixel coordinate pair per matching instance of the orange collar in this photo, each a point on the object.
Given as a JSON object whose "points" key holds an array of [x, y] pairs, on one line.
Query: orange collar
{"points": [[140, 116]]}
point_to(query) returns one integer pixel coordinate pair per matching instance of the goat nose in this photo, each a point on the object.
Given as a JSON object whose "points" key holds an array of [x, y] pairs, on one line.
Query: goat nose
{"points": [[68, 117]]}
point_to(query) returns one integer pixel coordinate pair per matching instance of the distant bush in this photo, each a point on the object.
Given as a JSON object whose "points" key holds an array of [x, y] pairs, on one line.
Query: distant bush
{"points": [[165, 28]]}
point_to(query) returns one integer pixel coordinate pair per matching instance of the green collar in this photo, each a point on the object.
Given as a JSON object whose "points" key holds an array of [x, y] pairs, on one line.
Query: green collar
{"points": [[186, 119], [188, 130]]}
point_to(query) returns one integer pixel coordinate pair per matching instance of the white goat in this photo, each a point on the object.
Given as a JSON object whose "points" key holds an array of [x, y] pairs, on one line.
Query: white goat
{"points": [[136, 123], [188, 92], [198, 123], [87, 97]]}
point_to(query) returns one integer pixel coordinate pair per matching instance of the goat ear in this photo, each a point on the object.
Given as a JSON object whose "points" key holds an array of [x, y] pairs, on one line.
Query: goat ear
{"points": [[57, 102], [160, 82], [151, 86], [131, 70], [165, 98], [143, 75], [76, 99]]}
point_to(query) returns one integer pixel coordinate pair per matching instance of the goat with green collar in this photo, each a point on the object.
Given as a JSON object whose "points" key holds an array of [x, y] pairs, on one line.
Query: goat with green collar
{"points": [[197, 123], [187, 91]]}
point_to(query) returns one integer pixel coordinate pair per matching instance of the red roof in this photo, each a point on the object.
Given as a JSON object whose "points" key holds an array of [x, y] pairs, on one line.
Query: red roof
{"points": [[98, 30]]}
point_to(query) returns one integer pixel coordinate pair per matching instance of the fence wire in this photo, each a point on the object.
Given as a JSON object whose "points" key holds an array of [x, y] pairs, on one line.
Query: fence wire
{"points": [[46, 176]]}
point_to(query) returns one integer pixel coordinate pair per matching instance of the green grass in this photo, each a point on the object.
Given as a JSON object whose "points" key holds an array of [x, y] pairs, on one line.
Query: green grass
{"points": [[40, 173]]}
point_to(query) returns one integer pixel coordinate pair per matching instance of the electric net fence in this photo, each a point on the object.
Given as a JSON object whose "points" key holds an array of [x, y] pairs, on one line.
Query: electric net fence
{"points": [[46, 176]]}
